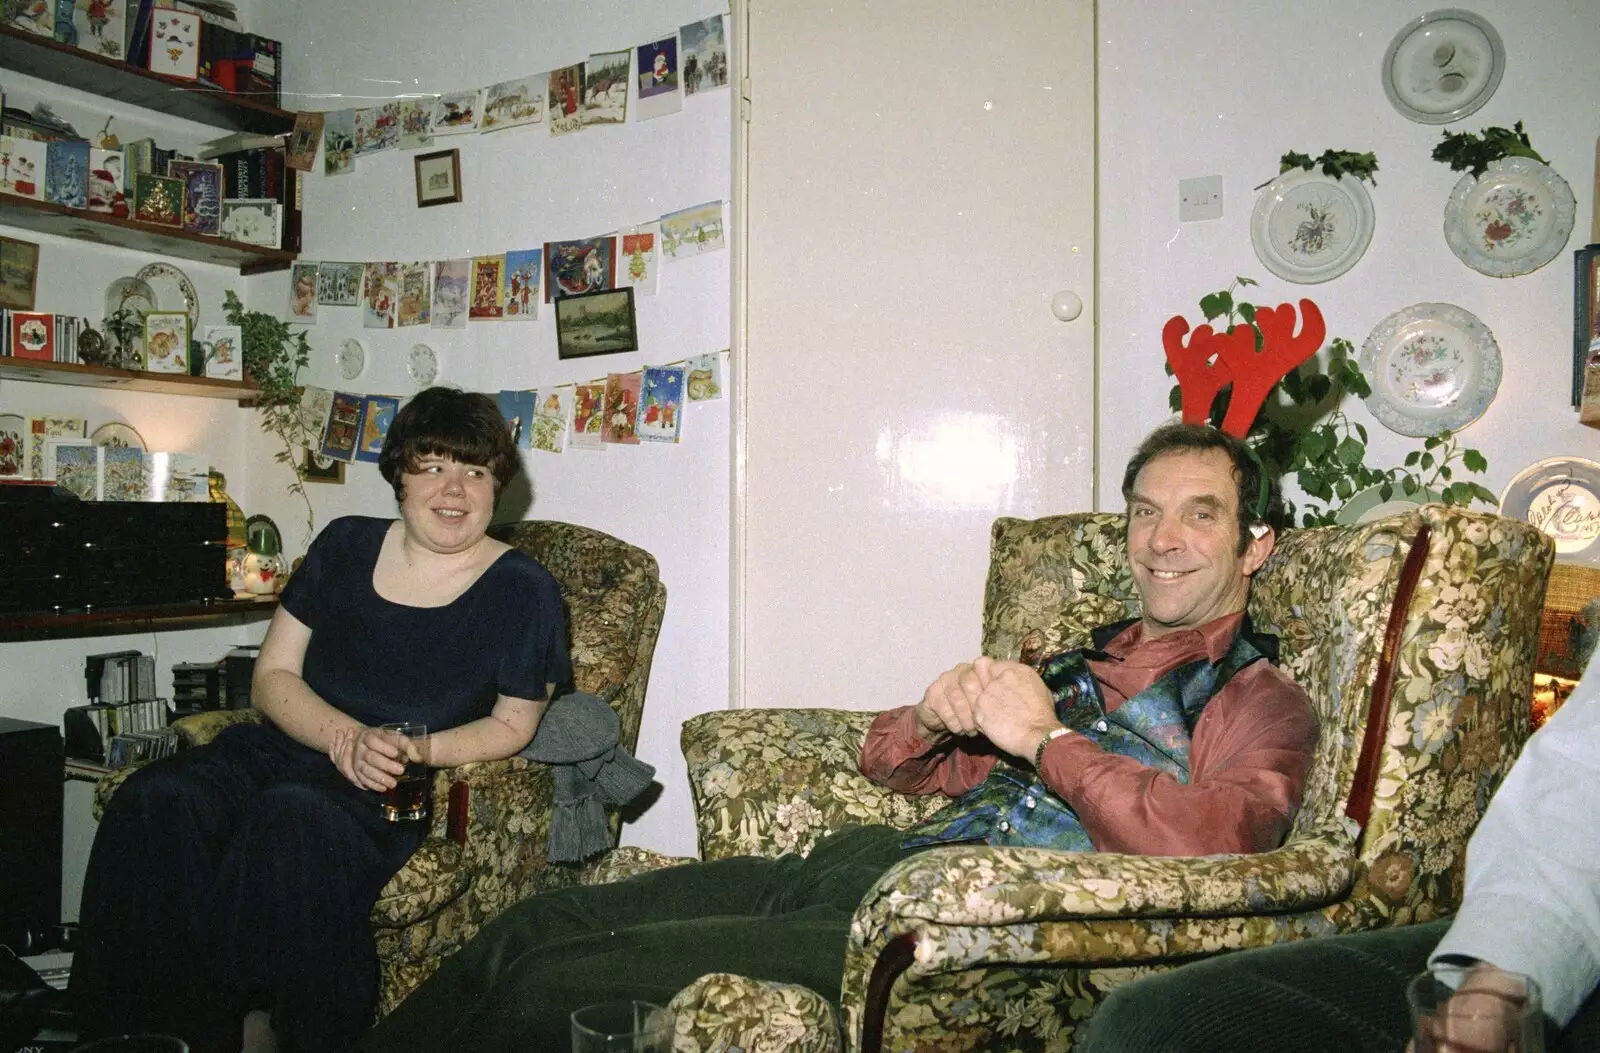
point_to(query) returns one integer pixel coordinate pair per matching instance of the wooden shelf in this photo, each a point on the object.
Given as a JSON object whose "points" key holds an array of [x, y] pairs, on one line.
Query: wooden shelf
{"points": [[48, 217], [123, 379], [46, 59], [196, 615]]}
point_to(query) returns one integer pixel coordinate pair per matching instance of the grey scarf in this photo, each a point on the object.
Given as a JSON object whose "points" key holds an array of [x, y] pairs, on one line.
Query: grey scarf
{"points": [[577, 737]]}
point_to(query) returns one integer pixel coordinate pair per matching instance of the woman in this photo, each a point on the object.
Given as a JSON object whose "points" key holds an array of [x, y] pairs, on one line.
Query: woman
{"points": [[229, 887]]}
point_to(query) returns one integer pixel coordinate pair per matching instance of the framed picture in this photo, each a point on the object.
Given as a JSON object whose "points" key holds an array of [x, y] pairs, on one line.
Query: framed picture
{"points": [[316, 468], [1585, 314], [19, 273], [597, 323], [438, 178], [166, 342]]}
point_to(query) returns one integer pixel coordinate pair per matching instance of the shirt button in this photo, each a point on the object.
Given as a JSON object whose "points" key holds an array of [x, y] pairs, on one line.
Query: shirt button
{"points": [[1100, 725], [1031, 803], [1004, 826]]}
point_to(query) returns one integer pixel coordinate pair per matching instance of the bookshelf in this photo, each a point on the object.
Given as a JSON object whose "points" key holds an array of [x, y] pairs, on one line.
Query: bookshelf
{"points": [[74, 624], [47, 217], [71, 67], [75, 375]]}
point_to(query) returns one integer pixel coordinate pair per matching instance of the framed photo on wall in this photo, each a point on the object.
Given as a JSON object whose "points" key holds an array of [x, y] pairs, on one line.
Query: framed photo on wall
{"points": [[597, 323], [19, 273], [1585, 314], [438, 178]]}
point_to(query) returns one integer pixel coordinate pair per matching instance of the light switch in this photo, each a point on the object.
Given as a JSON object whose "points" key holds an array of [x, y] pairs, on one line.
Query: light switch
{"points": [[1199, 198]]}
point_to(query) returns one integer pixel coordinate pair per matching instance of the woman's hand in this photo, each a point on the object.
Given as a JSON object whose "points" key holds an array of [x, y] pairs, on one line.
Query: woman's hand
{"points": [[368, 757]]}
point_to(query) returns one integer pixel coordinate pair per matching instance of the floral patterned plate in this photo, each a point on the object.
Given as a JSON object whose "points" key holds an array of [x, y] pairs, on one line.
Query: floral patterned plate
{"points": [[1432, 366], [1308, 228], [1511, 220]]}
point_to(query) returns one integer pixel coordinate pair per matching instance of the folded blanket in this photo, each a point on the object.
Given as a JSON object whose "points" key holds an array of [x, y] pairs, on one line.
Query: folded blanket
{"points": [[577, 737]]}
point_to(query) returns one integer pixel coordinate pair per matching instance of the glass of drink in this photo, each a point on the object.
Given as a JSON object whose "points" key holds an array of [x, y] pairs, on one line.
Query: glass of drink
{"points": [[409, 797], [622, 1027], [1475, 1009]]}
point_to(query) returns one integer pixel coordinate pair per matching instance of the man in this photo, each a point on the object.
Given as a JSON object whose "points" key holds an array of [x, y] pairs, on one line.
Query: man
{"points": [[1175, 738], [1531, 905]]}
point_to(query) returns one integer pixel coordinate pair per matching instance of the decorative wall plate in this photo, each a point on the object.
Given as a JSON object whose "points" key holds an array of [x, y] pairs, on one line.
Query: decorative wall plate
{"points": [[351, 358], [1442, 66], [1308, 228], [132, 293], [423, 365], [1561, 496], [1369, 504], [1511, 220], [117, 433], [1432, 366], [172, 290]]}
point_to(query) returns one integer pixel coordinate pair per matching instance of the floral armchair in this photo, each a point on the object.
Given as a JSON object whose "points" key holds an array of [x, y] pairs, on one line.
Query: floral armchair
{"points": [[491, 819], [1413, 635]]}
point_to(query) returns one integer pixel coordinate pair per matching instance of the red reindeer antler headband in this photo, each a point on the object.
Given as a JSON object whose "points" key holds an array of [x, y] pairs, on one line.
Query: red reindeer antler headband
{"points": [[1210, 361]]}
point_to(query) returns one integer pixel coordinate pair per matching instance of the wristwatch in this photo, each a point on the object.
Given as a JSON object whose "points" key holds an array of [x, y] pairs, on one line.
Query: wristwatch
{"points": [[1050, 736]]}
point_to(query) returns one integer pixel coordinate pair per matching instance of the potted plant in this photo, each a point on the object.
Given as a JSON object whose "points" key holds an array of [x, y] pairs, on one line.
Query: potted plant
{"points": [[274, 353]]}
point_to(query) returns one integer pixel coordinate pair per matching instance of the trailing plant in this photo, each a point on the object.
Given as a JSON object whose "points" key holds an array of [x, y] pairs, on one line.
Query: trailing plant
{"points": [[274, 353], [1466, 151], [1334, 164], [1312, 440]]}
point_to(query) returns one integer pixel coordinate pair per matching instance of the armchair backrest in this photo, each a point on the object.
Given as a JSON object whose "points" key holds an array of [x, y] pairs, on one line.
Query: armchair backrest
{"points": [[1426, 622], [615, 601]]}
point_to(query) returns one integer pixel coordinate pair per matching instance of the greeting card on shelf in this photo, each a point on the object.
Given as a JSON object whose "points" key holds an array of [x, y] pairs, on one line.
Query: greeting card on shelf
{"points": [[40, 431], [202, 195], [166, 342], [66, 180], [174, 43], [101, 26], [33, 335], [223, 346], [22, 165], [125, 474]]}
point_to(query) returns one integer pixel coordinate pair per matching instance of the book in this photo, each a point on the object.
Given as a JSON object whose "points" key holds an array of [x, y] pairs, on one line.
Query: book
{"points": [[238, 142]]}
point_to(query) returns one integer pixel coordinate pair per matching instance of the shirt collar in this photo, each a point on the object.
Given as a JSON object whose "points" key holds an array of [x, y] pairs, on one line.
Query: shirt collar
{"points": [[1211, 640]]}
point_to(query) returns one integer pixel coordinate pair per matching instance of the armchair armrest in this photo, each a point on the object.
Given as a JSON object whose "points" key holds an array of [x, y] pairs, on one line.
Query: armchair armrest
{"points": [[771, 781], [197, 729]]}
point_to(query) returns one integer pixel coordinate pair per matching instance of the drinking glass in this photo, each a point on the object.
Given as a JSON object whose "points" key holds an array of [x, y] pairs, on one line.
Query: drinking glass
{"points": [[408, 799], [1473, 1009], [622, 1027]]}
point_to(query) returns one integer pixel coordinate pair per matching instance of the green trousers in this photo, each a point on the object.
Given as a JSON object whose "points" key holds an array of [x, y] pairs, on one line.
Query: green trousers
{"points": [[514, 985], [1338, 994]]}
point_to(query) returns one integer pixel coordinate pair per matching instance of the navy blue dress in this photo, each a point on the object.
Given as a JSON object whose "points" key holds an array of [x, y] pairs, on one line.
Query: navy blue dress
{"points": [[241, 875]]}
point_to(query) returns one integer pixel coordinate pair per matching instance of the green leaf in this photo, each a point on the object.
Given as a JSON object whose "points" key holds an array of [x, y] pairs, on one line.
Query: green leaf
{"points": [[1361, 431], [1474, 461], [1385, 491], [1242, 280], [1319, 386], [1412, 458], [1410, 484], [1175, 399], [1350, 452], [1344, 488], [1444, 471], [1313, 445], [1431, 442], [1247, 311], [1215, 305], [1427, 461], [1484, 495]]}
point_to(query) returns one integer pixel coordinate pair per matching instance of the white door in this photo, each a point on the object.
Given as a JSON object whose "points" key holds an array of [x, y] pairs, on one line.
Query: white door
{"points": [[914, 188]]}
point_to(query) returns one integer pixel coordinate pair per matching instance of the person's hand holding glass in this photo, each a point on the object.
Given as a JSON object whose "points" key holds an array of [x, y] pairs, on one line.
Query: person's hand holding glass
{"points": [[1475, 1009], [391, 760]]}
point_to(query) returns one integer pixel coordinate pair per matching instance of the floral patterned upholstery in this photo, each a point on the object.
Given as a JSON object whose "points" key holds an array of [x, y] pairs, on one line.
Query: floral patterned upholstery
{"points": [[447, 890], [1428, 622]]}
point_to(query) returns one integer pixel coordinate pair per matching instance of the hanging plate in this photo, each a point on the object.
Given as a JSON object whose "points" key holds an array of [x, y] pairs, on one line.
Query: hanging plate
{"points": [[1308, 228], [1432, 367], [1561, 496], [1443, 66], [1511, 220]]}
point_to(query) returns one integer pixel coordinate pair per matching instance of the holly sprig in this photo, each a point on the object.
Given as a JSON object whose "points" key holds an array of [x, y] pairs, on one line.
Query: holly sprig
{"points": [[1467, 151], [1334, 164]]}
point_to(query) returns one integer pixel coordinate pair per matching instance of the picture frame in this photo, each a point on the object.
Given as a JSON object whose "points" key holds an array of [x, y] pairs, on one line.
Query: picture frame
{"points": [[597, 323], [166, 342], [19, 273], [316, 468], [1585, 314], [438, 178]]}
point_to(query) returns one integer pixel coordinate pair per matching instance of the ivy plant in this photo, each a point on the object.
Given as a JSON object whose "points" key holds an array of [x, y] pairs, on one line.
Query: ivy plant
{"points": [[1466, 151], [1312, 440], [1334, 164], [274, 353]]}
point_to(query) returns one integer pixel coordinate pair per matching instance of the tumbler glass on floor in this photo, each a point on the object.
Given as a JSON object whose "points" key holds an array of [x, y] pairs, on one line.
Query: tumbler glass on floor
{"points": [[622, 1027], [409, 797], [1475, 1009]]}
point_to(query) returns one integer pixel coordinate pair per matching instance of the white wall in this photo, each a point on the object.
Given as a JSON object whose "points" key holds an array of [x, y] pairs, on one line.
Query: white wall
{"points": [[1197, 89], [521, 188]]}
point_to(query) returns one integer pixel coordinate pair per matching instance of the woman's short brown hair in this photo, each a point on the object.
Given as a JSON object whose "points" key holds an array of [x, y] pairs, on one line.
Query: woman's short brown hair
{"points": [[465, 426]]}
